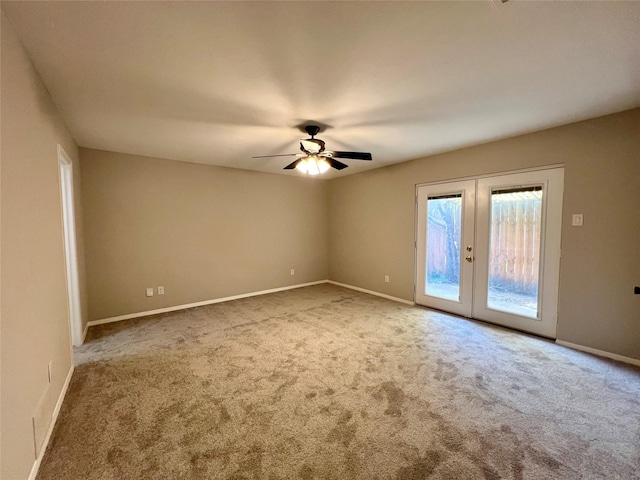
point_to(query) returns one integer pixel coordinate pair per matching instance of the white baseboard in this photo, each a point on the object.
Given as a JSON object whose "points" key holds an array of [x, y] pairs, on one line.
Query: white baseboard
{"points": [[600, 353], [371, 292], [199, 304], [54, 418]]}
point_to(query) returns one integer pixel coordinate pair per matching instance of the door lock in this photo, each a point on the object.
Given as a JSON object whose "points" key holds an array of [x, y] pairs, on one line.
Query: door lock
{"points": [[469, 258], [469, 248]]}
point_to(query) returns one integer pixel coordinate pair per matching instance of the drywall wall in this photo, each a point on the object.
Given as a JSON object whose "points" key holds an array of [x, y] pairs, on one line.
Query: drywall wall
{"points": [[202, 232], [35, 328], [371, 222]]}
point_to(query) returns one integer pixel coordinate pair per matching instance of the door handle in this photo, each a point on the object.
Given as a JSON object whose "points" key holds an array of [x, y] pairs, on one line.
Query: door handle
{"points": [[468, 258]]}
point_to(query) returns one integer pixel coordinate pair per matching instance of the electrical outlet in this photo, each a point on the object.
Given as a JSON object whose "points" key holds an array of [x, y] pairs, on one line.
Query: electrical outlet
{"points": [[386, 279], [160, 290], [293, 272], [150, 292]]}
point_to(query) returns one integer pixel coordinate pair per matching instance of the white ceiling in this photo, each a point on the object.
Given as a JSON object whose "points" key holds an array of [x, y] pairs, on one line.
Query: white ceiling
{"points": [[219, 82]]}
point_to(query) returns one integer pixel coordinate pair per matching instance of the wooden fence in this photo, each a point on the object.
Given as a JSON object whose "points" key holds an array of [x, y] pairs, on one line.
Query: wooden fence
{"points": [[514, 243]]}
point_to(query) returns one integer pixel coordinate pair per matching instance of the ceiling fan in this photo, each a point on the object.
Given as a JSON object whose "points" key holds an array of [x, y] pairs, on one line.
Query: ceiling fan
{"points": [[314, 159]]}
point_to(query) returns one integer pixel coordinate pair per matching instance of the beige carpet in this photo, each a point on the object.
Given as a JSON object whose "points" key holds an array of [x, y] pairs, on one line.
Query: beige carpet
{"points": [[327, 383]]}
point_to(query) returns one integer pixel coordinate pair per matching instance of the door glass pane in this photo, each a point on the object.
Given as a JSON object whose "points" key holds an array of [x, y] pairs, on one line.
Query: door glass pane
{"points": [[514, 253], [443, 247]]}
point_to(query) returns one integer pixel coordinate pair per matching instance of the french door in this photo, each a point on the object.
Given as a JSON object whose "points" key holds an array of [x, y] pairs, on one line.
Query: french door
{"points": [[489, 248]]}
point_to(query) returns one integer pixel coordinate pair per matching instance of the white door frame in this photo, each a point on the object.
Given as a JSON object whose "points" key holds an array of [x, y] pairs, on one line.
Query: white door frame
{"points": [[549, 269], [467, 190], [71, 254], [552, 181]]}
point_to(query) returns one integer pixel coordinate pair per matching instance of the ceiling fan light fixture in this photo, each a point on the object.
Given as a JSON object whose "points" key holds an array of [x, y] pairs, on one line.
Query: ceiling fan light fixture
{"points": [[323, 165], [313, 165], [314, 159], [302, 166]]}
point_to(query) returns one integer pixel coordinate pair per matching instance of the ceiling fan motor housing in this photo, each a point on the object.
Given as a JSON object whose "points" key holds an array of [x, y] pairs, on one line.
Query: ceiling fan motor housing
{"points": [[312, 130]]}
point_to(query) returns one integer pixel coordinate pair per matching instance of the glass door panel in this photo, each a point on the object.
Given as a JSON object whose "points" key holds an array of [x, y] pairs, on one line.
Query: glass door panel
{"points": [[443, 246], [514, 250]]}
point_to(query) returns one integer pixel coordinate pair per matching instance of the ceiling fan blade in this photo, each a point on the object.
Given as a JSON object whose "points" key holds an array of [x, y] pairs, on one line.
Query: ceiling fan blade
{"points": [[335, 163], [352, 155], [292, 165], [285, 155]]}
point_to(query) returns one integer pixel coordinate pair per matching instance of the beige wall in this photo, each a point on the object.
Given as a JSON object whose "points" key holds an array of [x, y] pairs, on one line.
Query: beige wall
{"points": [[203, 232], [34, 308], [207, 232], [371, 222]]}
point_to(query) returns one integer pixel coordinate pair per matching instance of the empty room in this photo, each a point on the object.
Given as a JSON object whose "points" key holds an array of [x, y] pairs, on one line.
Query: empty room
{"points": [[320, 240]]}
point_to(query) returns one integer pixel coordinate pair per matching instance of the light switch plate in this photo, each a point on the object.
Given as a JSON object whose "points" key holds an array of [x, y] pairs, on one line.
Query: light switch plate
{"points": [[150, 292], [577, 219]]}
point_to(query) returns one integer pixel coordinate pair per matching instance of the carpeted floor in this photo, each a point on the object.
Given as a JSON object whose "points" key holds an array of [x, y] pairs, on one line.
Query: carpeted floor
{"points": [[328, 383]]}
